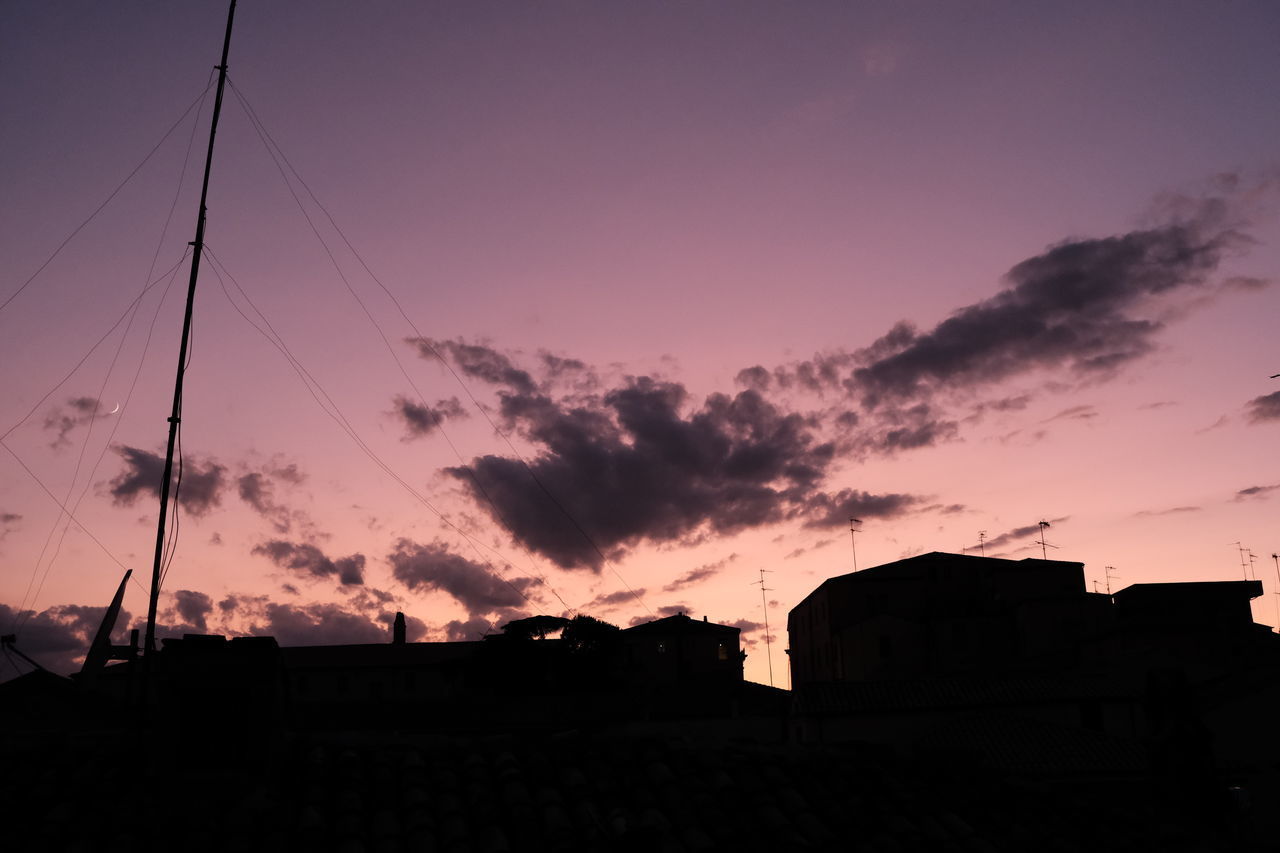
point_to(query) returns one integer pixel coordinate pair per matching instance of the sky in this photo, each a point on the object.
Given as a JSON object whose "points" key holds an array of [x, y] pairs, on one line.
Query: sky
{"points": [[512, 308]]}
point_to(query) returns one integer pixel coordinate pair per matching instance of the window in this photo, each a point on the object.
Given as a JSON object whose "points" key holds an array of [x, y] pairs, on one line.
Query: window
{"points": [[662, 647], [723, 652]]}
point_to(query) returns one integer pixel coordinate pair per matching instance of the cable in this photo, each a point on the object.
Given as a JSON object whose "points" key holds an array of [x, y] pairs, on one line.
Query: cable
{"points": [[271, 143], [53, 498], [277, 155], [334, 412], [155, 256], [91, 349], [146, 289], [98, 209]]}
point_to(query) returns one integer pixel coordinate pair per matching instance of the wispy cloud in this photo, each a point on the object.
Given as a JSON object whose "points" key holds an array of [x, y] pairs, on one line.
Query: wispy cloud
{"points": [[1255, 493], [201, 485]]}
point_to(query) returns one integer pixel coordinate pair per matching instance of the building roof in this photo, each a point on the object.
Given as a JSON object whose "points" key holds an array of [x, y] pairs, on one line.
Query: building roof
{"points": [[1182, 590], [910, 566], [681, 624]]}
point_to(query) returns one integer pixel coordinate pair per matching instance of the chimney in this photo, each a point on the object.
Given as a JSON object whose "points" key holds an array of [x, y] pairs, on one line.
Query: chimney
{"points": [[397, 631]]}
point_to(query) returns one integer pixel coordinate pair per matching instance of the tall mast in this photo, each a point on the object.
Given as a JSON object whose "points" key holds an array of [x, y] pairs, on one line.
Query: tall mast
{"points": [[175, 416]]}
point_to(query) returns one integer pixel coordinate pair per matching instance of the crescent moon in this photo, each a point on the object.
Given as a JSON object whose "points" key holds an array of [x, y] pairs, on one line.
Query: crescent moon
{"points": [[116, 409]]}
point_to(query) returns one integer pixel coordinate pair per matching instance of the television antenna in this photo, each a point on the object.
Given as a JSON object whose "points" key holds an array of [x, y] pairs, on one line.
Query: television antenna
{"points": [[853, 540], [1109, 570], [764, 605], [1244, 567], [1043, 544], [982, 542], [1276, 592]]}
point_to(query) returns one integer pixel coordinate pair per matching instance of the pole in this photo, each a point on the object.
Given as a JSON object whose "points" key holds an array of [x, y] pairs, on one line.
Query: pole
{"points": [[175, 416], [1044, 555], [1276, 559], [853, 540], [768, 645]]}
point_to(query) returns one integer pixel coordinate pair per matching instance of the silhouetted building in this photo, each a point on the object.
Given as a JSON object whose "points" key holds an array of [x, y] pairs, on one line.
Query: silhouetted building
{"points": [[939, 614], [681, 649]]}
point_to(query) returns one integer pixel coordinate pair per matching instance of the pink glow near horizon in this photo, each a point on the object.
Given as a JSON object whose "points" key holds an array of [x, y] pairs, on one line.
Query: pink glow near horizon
{"points": [[678, 192]]}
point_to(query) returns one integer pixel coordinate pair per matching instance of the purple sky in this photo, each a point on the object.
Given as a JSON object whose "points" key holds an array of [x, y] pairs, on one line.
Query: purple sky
{"points": [[723, 274]]}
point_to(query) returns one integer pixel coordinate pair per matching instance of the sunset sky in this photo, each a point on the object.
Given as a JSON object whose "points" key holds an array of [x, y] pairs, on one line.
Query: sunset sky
{"points": [[665, 293]]}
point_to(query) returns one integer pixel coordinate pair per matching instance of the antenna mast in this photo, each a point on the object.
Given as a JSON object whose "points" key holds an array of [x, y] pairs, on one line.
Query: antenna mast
{"points": [[764, 604], [1244, 567], [1044, 555], [175, 417], [982, 542], [1110, 569], [1276, 592], [853, 533]]}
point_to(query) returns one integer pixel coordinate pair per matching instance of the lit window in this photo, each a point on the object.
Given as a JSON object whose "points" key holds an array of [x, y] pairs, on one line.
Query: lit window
{"points": [[662, 647], [723, 652]]}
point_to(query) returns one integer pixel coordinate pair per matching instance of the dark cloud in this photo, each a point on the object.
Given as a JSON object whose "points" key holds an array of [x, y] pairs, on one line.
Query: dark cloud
{"points": [[317, 625], [475, 628], [1074, 413], [290, 473], [435, 567], [200, 489], [194, 608], [752, 633], [57, 638], [1177, 510], [61, 420], [816, 546], [1015, 403], [1264, 408], [255, 490], [945, 509], [259, 490], [1255, 493], [825, 510], [610, 600], [477, 361], [630, 466], [1246, 283], [1014, 535], [1077, 306], [307, 559], [420, 420], [699, 574], [8, 522], [642, 462]]}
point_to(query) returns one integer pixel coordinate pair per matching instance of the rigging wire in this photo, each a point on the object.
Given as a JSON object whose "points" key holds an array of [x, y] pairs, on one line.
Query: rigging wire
{"points": [[272, 148], [277, 156], [155, 257], [61, 504], [145, 290], [331, 408], [54, 498], [199, 99]]}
